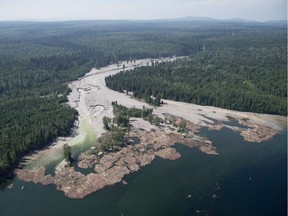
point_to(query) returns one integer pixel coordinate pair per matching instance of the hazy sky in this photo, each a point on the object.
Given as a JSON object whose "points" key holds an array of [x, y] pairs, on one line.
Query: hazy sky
{"points": [[260, 10]]}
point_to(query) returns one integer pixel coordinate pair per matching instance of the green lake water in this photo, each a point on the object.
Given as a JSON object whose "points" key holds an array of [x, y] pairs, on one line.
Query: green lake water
{"points": [[84, 137], [246, 178]]}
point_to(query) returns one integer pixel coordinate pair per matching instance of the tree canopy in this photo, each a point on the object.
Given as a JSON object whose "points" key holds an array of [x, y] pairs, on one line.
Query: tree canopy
{"points": [[37, 60], [245, 71]]}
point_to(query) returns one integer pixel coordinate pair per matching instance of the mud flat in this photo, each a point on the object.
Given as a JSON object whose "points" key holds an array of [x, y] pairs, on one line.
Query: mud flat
{"points": [[92, 99]]}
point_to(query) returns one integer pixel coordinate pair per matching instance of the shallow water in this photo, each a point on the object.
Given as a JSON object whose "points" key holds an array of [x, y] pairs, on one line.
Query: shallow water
{"points": [[85, 137], [246, 178]]}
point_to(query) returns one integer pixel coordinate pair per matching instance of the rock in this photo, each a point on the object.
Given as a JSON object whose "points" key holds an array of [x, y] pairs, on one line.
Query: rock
{"points": [[168, 153]]}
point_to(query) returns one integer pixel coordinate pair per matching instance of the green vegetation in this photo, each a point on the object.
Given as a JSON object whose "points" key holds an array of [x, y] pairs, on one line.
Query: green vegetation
{"points": [[246, 71], [117, 127], [67, 153], [27, 124], [123, 113], [37, 60], [106, 123], [113, 141], [182, 127]]}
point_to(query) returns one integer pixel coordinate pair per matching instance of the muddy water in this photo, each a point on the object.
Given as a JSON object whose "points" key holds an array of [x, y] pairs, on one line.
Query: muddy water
{"points": [[84, 137]]}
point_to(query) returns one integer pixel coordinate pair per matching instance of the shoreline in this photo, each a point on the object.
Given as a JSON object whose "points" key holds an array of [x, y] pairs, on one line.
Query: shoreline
{"points": [[92, 99]]}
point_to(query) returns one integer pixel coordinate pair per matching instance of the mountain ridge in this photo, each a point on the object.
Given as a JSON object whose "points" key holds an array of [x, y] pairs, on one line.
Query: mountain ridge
{"points": [[187, 18]]}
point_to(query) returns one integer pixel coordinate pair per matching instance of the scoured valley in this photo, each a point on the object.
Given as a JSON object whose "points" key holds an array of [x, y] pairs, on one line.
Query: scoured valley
{"points": [[93, 100], [143, 118]]}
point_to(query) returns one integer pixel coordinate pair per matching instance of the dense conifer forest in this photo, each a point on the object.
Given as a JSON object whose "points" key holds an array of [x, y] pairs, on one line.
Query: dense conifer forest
{"points": [[37, 60], [245, 71]]}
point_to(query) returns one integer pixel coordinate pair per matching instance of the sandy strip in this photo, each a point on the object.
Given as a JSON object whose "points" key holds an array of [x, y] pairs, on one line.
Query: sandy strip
{"points": [[92, 99], [197, 114], [98, 95]]}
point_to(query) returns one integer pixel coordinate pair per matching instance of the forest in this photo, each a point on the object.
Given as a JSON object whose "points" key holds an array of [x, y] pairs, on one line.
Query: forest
{"points": [[246, 71], [38, 60], [119, 125]]}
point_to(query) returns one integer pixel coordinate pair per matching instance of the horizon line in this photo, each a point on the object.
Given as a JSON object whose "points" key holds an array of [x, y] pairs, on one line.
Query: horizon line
{"points": [[189, 18]]}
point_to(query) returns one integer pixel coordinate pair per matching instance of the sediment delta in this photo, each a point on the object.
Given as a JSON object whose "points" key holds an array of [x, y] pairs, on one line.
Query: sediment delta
{"points": [[111, 168], [92, 99]]}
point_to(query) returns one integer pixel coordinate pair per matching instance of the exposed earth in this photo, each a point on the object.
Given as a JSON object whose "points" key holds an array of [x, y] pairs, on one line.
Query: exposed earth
{"points": [[92, 99]]}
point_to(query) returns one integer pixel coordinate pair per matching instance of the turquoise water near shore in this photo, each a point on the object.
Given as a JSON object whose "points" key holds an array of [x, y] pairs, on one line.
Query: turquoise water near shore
{"points": [[84, 138], [245, 179]]}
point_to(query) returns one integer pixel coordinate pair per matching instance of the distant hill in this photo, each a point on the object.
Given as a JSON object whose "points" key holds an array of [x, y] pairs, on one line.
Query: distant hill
{"points": [[180, 19], [191, 18], [277, 21]]}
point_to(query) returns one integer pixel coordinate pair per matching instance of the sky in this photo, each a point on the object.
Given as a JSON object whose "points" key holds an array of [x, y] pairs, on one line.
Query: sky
{"points": [[259, 10]]}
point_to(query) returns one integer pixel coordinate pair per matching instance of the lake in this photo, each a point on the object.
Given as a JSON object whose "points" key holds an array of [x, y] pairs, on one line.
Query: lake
{"points": [[245, 179]]}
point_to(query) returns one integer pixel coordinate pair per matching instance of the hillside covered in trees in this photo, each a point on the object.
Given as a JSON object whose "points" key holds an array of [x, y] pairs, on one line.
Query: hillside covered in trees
{"points": [[37, 60], [245, 71]]}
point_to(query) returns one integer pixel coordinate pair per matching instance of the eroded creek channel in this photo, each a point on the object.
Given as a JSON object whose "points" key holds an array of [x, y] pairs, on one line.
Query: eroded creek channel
{"points": [[194, 184]]}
